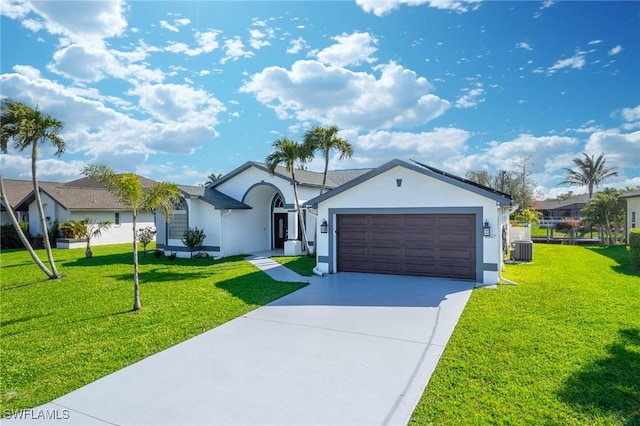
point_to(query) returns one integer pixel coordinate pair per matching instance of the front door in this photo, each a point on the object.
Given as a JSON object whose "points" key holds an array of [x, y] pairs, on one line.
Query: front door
{"points": [[279, 230]]}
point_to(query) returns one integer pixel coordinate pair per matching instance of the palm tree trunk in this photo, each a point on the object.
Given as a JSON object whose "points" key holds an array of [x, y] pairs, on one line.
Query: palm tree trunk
{"points": [[136, 283], [43, 222], [305, 241], [23, 238]]}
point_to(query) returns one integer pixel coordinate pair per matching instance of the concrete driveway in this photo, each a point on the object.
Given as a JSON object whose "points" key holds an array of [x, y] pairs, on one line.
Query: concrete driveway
{"points": [[349, 349]]}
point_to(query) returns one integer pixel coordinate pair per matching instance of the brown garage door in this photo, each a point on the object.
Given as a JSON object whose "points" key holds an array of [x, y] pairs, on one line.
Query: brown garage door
{"points": [[433, 245]]}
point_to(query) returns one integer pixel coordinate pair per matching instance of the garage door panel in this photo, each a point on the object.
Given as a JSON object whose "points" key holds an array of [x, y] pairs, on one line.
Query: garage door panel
{"points": [[438, 245]]}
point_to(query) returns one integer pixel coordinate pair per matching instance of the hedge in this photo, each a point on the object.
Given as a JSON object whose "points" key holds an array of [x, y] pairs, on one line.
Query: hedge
{"points": [[9, 237], [634, 246]]}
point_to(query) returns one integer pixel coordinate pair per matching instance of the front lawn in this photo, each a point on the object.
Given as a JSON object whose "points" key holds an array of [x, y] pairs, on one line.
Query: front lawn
{"points": [[303, 264], [57, 336], [562, 347]]}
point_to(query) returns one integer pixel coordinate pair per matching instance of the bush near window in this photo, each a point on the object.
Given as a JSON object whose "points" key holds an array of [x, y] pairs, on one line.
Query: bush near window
{"points": [[193, 238], [634, 246], [9, 237]]}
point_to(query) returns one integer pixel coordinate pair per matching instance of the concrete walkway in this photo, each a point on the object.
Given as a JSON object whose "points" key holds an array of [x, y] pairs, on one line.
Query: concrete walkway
{"points": [[352, 349]]}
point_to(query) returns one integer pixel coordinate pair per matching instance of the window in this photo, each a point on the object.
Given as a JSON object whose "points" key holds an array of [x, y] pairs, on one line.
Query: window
{"points": [[277, 201], [116, 220], [633, 219], [179, 221]]}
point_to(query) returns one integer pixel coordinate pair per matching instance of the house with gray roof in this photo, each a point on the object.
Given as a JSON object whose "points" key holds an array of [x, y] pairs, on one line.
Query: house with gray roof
{"points": [[76, 200], [398, 218]]}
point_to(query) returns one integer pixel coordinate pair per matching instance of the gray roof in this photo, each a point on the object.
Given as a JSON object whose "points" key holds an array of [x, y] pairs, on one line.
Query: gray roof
{"points": [[632, 194], [575, 201], [499, 197], [213, 197], [18, 190], [335, 178]]}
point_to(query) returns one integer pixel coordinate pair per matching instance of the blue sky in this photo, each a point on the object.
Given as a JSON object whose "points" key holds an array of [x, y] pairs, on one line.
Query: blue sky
{"points": [[177, 90]]}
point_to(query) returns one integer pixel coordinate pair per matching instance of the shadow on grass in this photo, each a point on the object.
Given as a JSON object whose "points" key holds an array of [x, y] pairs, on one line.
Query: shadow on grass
{"points": [[303, 265], [26, 284], [620, 255], [610, 385], [162, 275], [9, 322], [149, 259], [257, 288]]}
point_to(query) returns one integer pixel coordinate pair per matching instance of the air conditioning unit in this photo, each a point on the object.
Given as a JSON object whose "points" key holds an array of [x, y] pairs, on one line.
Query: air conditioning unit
{"points": [[522, 251]]}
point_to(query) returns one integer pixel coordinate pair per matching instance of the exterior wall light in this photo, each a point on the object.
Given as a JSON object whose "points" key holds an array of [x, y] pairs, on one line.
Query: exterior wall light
{"points": [[486, 229], [324, 226]]}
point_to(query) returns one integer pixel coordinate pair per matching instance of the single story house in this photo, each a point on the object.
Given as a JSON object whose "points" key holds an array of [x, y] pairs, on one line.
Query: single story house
{"points": [[633, 210], [556, 210], [399, 218], [77, 200]]}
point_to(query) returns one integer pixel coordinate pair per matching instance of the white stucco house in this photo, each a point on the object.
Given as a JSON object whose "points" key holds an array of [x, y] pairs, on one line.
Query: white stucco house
{"points": [[399, 218], [76, 200], [633, 210]]}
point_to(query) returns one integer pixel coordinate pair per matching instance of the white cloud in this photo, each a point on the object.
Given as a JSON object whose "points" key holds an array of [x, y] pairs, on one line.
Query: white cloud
{"points": [[28, 71], [615, 50], [593, 42], [350, 49], [168, 26], [631, 114], [524, 45], [439, 144], [234, 50], [207, 41], [93, 62], [333, 95], [95, 132], [178, 103], [49, 169], [296, 45], [472, 97], [621, 149], [384, 7], [575, 62], [258, 39], [81, 21]]}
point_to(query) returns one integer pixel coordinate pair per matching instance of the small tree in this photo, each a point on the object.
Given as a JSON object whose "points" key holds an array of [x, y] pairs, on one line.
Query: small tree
{"points": [[145, 236], [86, 229], [193, 238]]}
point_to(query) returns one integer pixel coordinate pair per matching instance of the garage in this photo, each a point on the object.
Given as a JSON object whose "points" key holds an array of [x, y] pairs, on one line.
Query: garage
{"points": [[431, 245]]}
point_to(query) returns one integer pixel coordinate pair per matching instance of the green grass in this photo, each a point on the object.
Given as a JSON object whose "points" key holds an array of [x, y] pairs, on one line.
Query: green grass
{"points": [[561, 348], [58, 335], [303, 265]]}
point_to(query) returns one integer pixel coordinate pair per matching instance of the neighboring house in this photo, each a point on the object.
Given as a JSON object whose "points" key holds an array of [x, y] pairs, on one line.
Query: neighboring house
{"points": [[399, 218], [556, 210], [77, 200], [17, 190], [633, 210]]}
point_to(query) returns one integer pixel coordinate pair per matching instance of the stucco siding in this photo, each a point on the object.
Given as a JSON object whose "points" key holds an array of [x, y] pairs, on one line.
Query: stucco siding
{"points": [[633, 206], [416, 193]]}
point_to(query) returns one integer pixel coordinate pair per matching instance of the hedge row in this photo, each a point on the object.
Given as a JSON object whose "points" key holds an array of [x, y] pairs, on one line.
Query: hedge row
{"points": [[634, 245], [9, 237]]}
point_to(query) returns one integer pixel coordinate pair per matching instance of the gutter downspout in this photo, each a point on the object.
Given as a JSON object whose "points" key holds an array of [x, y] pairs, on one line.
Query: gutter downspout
{"points": [[228, 212]]}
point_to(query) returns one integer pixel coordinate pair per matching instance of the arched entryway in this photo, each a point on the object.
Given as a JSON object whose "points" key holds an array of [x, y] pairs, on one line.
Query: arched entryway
{"points": [[280, 222]]}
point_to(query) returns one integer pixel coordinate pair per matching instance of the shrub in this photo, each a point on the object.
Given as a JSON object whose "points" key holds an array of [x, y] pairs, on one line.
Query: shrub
{"points": [[158, 253], [145, 236], [193, 238], [634, 246], [54, 233], [9, 236]]}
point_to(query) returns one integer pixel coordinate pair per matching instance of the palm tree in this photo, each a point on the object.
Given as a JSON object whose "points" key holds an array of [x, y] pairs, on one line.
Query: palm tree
{"points": [[288, 152], [126, 187], [325, 139], [590, 172], [23, 238], [86, 229], [213, 177], [27, 127]]}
